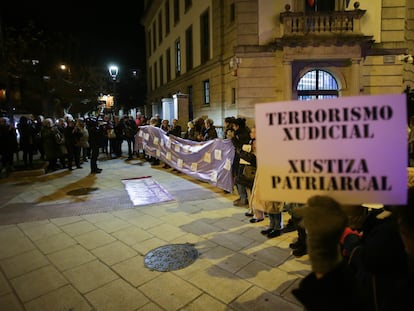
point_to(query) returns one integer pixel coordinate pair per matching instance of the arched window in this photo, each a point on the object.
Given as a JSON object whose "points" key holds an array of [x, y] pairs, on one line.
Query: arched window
{"points": [[317, 84]]}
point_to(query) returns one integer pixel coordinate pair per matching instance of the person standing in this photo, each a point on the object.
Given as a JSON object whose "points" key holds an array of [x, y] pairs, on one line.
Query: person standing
{"points": [[84, 140], [119, 129], [38, 123], [72, 140], [331, 285], [138, 139], [209, 131], [27, 140], [228, 126], [158, 120], [175, 129], [130, 131], [190, 133], [52, 148], [241, 137], [96, 141], [8, 144]]}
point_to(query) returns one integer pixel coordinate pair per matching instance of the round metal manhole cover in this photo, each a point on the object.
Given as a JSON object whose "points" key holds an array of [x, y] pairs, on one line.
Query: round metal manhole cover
{"points": [[81, 191], [171, 257]]}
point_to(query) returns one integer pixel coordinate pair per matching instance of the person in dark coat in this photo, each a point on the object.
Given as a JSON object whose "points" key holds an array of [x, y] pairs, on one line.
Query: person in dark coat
{"points": [[241, 137], [400, 296], [96, 141], [175, 129], [72, 140], [331, 285], [52, 149], [8, 144], [209, 131], [130, 130], [27, 140]]}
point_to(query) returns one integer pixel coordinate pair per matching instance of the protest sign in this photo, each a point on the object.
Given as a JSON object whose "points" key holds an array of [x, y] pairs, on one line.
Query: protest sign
{"points": [[353, 149]]}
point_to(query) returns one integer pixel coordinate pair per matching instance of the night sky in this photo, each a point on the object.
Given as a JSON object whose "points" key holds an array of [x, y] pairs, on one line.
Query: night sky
{"points": [[108, 32]]}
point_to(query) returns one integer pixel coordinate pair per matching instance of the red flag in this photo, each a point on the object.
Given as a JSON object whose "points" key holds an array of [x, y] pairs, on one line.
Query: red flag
{"points": [[311, 2]]}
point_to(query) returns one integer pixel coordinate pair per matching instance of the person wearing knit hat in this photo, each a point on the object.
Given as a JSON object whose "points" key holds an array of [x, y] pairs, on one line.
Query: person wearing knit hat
{"points": [[324, 221], [331, 285]]}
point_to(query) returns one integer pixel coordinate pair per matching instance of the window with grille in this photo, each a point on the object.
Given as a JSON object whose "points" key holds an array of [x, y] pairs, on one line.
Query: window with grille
{"points": [[317, 84], [206, 92], [177, 57]]}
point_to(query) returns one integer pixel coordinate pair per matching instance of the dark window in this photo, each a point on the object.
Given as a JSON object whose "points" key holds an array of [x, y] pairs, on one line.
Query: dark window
{"points": [[189, 48], [168, 65], [319, 5], [161, 71], [159, 27], [177, 57], [176, 11], [149, 43], [317, 84], [232, 12], [167, 17], [154, 37], [155, 76], [151, 82], [233, 95], [190, 102], [205, 37], [187, 5], [206, 92]]}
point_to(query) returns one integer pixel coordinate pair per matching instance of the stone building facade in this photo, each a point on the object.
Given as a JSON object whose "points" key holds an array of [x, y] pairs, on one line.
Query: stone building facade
{"points": [[220, 58]]}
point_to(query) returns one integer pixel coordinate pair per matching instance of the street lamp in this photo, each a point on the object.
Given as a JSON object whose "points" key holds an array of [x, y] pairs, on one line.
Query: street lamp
{"points": [[113, 72]]}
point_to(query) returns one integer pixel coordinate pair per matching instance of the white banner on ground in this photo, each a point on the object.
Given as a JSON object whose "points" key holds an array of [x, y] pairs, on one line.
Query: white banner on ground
{"points": [[145, 190], [353, 149]]}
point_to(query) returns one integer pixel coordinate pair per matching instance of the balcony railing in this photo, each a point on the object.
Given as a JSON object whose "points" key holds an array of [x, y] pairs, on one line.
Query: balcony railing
{"points": [[321, 23]]}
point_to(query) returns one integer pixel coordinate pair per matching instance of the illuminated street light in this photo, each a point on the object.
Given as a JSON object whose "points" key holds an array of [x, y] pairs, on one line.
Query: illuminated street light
{"points": [[113, 72]]}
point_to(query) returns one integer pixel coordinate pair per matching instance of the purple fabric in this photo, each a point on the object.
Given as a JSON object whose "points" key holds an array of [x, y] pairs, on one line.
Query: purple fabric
{"points": [[210, 161]]}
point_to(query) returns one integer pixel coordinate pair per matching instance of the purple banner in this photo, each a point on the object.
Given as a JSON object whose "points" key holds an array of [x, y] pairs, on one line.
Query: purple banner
{"points": [[210, 161]]}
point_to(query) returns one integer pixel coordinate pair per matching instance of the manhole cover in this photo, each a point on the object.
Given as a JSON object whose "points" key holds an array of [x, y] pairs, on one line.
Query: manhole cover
{"points": [[81, 191], [170, 257]]}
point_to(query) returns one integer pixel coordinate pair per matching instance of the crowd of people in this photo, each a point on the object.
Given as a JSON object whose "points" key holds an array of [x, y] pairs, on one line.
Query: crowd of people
{"points": [[66, 142]]}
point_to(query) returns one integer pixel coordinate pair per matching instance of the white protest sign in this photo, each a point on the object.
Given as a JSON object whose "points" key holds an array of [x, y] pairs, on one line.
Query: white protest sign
{"points": [[353, 149]]}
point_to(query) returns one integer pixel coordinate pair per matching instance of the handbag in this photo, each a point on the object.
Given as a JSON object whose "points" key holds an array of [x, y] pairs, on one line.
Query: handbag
{"points": [[247, 177], [111, 134], [249, 172]]}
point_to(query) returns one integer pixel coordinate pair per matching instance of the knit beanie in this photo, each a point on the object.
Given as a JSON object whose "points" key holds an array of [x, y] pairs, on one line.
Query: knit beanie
{"points": [[324, 221]]}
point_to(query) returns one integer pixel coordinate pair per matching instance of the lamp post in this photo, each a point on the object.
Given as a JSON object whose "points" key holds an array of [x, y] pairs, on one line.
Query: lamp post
{"points": [[113, 72]]}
